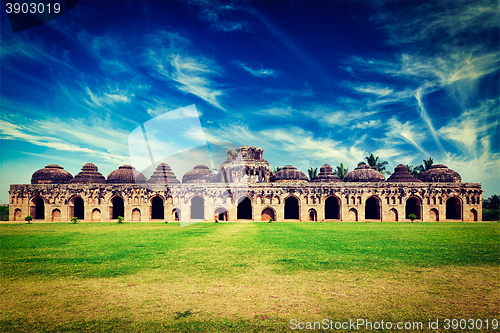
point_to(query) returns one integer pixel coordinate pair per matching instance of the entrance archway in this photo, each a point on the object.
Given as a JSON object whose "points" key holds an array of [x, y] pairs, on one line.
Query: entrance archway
{"points": [[197, 208], [118, 208], [17, 215], [267, 214], [244, 210], [96, 215], [136, 215], [332, 208], [434, 215], [157, 212], [176, 214], [413, 207], [56, 215], [40, 209], [393, 215], [313, 216], [220, 214], [453, 209], [473, 215], [78, 208], [353, 215], [372, 209], [291, 208]]}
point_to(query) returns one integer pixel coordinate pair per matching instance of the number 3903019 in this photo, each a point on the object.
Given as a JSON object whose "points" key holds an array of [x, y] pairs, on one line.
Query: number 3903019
{"points": [[33, 8]]}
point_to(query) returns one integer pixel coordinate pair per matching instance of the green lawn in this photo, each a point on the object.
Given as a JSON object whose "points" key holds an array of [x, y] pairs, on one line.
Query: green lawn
{"points": [[243, 276]]}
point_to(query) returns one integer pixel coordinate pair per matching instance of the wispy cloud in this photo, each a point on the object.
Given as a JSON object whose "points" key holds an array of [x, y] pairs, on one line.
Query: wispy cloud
{"points": [[169, 55], [220, 15], [261, 72]]}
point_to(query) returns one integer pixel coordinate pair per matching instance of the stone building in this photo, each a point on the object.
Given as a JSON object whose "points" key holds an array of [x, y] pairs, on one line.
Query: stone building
{"points": [[245, 189]]}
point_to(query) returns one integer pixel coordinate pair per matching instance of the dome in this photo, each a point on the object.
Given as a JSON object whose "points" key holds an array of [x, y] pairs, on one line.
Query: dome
{"points": [[326, 175], [199, 174], [126, 174], [163, 174], [51, 174], [364, 173], [289, 173], [402, 175], [440, 173], [89, 174]]}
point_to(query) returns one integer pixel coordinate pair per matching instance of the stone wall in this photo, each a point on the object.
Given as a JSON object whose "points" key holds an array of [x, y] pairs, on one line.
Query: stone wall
{"points": [[314, 201]]}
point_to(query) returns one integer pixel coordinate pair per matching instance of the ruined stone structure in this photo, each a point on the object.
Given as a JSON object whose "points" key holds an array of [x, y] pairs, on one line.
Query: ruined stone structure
{"points": [[245, 189]]}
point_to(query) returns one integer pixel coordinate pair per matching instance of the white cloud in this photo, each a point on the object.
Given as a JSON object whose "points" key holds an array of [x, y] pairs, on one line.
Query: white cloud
{"points": [[262, 72]]}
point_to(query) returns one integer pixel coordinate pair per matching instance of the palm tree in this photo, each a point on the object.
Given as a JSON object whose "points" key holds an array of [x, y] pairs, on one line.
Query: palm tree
{"points": [[414, 171], [377, 164], [312, 172], [341, 171], [275, 170], [427, 164]]}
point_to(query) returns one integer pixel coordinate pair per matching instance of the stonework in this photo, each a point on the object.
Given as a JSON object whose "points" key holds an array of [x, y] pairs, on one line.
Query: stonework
{"points": [[247, 193]]}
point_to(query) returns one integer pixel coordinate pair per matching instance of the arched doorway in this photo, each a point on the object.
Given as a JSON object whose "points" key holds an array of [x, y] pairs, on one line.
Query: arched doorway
{"points": [[453, 209], [267, 214], [473, 215], [56, 215], [352, 215], [332, 208], [78, 208], [176, 214], [393, 215], [197, 208], [220, 214], [118, 208], [413, 207], [157, 212], [244, 209], [40, 209], [291, 208], [136, 215], [433, 215], [17, 215], [313, 216], [96, 215], [372, 209]]}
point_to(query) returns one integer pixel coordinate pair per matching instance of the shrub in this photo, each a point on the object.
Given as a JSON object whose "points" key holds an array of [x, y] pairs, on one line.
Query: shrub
{"points": [[120, 219], [74, 219], [271, 220], [29, 218], [412, 217], [4, 213]]}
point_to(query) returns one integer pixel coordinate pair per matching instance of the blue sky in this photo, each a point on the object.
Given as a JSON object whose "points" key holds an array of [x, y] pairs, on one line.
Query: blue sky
{"points": [[310, 82]]}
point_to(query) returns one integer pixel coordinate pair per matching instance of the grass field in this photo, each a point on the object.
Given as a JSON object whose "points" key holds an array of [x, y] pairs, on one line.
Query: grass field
{"points": [[243, 277]]}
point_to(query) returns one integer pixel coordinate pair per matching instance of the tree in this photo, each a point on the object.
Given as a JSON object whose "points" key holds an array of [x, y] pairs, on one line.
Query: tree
{"points": [[312, 172], [120, 219], [341, 171], [412, 217], [427, 164], [377, 164], [277, 169], [74, 219], [28, 218], [414, 171]]}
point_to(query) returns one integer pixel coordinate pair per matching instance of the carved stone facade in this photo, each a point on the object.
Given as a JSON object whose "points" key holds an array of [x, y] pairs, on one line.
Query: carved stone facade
{"points": [[252, 198]]}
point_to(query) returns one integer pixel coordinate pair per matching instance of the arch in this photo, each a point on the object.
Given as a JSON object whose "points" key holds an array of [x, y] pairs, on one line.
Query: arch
{"points": [[352, 215], [220, 214], [434, 215], [332, 208], [453, 209], [118, 207], [197, 208], [56, 215], [413, 205], [473, 215], [78, 208], [268, 213], [393, 215], [96, 215], [312, 215], [17, 215], [372, 208], [136, 215], [39, 209], [473, 199], [176, 214], [244, 209], [292, 208], [157, 211]]}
